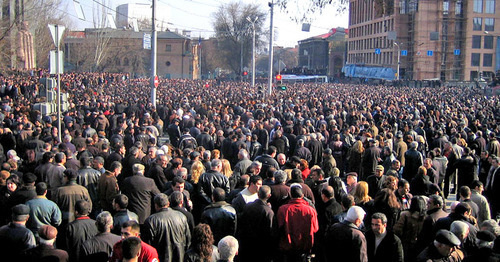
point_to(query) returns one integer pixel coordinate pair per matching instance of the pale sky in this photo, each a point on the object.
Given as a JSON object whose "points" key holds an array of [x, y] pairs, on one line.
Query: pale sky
{"points": [[196, 16]]}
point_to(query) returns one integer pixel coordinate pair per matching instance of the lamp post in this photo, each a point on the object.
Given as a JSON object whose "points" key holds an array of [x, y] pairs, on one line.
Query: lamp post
{"points": [[399, 58], [253, 47], [271, 5]]}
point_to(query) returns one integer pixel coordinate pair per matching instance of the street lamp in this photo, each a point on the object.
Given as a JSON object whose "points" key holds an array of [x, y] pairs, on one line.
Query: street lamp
{"points": [[399, 58], [271, 28], [253, 47]]}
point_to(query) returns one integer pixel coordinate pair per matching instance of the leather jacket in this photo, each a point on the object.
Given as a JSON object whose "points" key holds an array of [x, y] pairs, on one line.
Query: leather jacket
{"points": [[221, 217], [168, 232], [209, 181]]}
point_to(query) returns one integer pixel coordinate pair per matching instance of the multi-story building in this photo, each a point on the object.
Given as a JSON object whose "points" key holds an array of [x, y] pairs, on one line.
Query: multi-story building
{"points": [[431, 39], [324, 54], [114, 50]]}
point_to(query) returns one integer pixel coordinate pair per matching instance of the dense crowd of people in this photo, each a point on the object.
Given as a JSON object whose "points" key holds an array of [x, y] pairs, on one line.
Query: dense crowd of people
{"points": [[219, 172]]}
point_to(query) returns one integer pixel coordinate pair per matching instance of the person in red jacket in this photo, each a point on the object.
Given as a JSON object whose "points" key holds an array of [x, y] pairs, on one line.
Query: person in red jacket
{"points": [[132, 229], [297, 221]]}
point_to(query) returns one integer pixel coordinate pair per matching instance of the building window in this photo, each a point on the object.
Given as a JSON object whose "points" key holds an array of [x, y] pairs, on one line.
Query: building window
{"points": [[477, 24], [458, 7], [489, 7], [402, 7], [478, 6], [476, 41], [488, 42], [475, 57], [487, 60], [446, 7], [168, 48], [489, 24]]}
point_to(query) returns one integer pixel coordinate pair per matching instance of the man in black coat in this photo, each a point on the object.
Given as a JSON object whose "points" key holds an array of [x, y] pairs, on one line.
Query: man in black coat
{"points": [[383, 245], [220, 216], [370, 159], [15, 237], [167, 230], [99, 247], [80, 230], [210, 180], [257, 225], [413, 160], [140, 191], [157, 172], [268, 160], [492, 188], [345, 241]]}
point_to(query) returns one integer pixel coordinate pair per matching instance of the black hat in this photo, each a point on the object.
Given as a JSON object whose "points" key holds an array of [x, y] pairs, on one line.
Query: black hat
{"points": [[327, 151], [446, 237], [485, 236], [20, 210]]}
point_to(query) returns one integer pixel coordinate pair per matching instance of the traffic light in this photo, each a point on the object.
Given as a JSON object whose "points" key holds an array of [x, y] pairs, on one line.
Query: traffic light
{"points": [[245, 73], [278, 77]]}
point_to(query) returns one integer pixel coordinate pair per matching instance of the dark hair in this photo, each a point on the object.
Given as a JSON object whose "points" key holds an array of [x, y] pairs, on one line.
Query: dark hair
{"points": [[177, 180], [219, 194], [202, 241], [296, 192], [271, 150], [402, 182], [121, 200], [59, 157], [328, 192], [71, 174], [161, 200], [465, 191], [41, 187], [115, 165], [47, 156], [380, 216], [134, 225], [175, 199], [347, 201], [476, 183], [85, 161], [418, 205], [386, 196], [255, 179], [131, 247], [264, 192], [82, 207], [462, 208]]}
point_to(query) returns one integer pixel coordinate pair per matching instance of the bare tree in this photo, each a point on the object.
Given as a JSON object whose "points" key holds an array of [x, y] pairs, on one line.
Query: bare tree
{"points": [[37, 14], [234, 38]]}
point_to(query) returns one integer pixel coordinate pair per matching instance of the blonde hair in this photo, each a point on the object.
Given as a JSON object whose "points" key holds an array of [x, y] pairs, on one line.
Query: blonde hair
{"points": [[226, 168], [358, 146], [4, 174], [361, 193], [196, 170]]}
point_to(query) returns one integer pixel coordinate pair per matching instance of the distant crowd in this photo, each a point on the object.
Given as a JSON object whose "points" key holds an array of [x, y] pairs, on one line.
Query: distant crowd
{"points": [[219, 172]]}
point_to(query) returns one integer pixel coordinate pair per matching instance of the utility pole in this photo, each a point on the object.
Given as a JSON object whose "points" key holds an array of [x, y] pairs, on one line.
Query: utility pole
{"points": [[271, 5], [153, 56], [399, 59], [253, 48]]}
